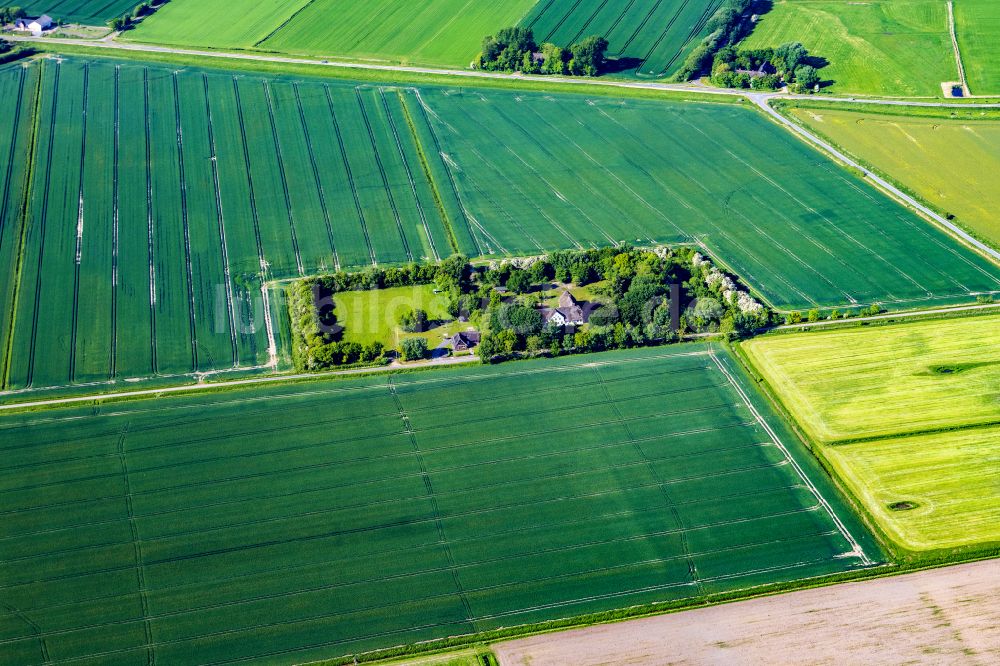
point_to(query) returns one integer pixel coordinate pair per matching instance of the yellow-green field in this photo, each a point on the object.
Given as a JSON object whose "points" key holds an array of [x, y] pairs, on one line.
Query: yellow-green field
{"points": [[950, 479], [941, 161], [886, 380], [373, 315], [879, 47], [907, 415]]}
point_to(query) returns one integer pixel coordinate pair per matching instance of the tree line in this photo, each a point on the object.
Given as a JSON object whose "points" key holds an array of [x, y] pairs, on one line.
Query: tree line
{"points": [[765, 69], [728, 25], [515, 50], [128, 20]]}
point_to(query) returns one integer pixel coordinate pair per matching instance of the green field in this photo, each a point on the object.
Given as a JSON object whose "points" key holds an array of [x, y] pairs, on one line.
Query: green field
{"points": [[90, 12], [880, 47], [443, 32], [148, 228], [977, 25], [374, 315], [867, 394], [939, 160], [886, 381], [650, 37], [951, 478], [286, 523]]}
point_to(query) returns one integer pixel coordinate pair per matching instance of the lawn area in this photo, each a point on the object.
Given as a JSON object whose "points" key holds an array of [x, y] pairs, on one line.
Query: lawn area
{"points": [[886, 380], [286, 523], [950, 477], [977, 26], [881, 47], [941, 161], [373, 315]]}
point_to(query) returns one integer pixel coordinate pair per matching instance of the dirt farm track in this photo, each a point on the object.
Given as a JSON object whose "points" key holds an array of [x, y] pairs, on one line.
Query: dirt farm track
{"points": [[941, 616]]}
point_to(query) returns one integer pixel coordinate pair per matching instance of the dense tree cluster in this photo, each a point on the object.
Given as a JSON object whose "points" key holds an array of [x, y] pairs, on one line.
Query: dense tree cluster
{"points": [[11, 14], [140, 11], [514, 50], [765, 69], [727, 26]]}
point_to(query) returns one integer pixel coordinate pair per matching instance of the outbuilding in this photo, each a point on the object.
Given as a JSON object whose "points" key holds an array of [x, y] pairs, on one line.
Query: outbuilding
{"points": [[35, 26]]}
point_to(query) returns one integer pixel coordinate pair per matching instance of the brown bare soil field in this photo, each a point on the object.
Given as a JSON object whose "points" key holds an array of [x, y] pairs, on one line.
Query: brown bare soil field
{"points": [[941, 616]]}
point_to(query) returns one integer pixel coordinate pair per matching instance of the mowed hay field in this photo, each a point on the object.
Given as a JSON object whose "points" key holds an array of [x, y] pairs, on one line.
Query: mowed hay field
{"points": [[159, 200], [91, 12], [977, 26], [881, 47], [906, 414], [939, 160], [886, 380], [441, 32], [287, 523], [950, 479], [650, 37]]}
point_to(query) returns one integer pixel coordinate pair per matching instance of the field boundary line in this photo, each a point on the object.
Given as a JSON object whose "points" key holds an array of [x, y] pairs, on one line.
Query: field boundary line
{"points": [[23, 209], [857, 551]]}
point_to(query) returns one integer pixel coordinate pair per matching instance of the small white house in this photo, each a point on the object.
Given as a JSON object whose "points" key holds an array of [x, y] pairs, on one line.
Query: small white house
{"points": [[34, 26]]}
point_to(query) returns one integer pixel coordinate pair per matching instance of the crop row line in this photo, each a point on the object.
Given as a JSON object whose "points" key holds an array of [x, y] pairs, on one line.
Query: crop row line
{"points": [[115, 194], [381, 170], [409, 174], [221, 221], [74, 324], [350, 175], [151, 249], [246, 163], [182, 181], [320, 190], [645, 20], [42, 226], [282, 176], [14, 287]]}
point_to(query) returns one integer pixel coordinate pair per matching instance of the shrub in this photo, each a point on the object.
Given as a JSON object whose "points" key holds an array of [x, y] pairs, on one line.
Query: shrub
{"points": [[414, 349]]}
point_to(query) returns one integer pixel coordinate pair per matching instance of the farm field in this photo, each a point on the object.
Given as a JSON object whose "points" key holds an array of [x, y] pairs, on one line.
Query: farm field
{"points": [[90, 12], [939, 160], [943, 615], [157, 214], [896, 48], [949, 479], [977, 26], [886, 380], [442, 32], [292, 522], [908, 415], [650, 38]]}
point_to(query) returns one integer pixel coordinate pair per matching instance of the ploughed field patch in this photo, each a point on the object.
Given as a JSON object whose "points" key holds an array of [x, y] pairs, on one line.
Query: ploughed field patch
{"points": [[143, 208], [296, 522]]}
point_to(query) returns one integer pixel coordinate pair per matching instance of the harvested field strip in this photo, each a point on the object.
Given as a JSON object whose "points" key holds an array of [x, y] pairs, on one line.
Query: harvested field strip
{"points": [[289, 567]]}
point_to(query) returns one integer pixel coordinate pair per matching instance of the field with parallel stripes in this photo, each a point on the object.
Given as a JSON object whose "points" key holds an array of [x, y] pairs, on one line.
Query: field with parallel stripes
{"points": [[90, 12], [159, 200], [650, 37], [185, 531]]}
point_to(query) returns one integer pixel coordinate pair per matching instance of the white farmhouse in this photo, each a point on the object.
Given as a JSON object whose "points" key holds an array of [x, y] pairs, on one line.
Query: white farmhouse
{"points": [[35, 26]]}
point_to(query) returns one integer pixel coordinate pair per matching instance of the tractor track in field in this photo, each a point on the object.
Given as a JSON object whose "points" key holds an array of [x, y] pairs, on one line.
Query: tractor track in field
{"points": [[182, 187], [282, 176], [74, 323], [317, 179], [115, 195], [151, 242]]}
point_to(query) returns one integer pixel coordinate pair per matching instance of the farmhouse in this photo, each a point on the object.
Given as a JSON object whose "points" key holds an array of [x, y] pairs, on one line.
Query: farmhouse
{"points": [[464, 340], [569, 312], [765, 69], [35, 26]]}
